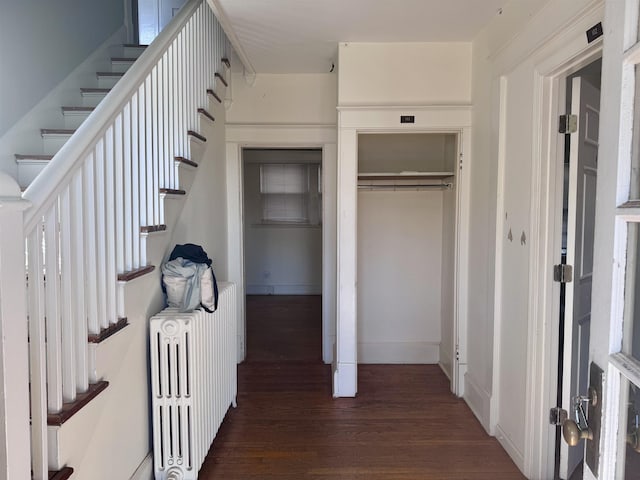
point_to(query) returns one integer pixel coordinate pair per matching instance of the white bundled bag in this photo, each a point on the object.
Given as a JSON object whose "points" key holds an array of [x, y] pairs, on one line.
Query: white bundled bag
{"points": [[188, 285]]}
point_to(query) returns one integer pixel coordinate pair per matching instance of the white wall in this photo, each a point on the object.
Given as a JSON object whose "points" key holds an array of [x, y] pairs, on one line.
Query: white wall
{"points": [[204, 218], [505, 56], [404, 73], [42, 42], [302, 99], [399, 282], [279, 259]]}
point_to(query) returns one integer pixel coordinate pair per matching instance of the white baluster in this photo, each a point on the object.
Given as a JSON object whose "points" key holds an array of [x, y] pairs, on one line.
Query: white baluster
{"points": [[172, 150], [142, 171], [52, 292], [110, 226], [68, 296], [148, 151], [100, 274], [135, 179], [156, 123], [91, 287], [78, 282], [127, 185]]}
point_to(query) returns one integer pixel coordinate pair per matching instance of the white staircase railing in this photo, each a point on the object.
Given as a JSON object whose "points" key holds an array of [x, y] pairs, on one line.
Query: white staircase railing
{"points": [[89, 204]]}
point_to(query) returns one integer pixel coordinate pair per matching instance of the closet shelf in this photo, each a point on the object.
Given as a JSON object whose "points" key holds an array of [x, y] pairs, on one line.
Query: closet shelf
{"points": [[405, 176]]}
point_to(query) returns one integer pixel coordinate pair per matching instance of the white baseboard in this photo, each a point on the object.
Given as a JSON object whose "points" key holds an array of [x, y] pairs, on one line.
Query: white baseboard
{"points": [[345, 380], [284, 289], [145, 469], [446, 365], [479, 401], [399, 352], [516, 455]]}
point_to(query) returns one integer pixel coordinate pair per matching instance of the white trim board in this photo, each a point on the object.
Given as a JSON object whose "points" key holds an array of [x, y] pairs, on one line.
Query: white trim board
{"points": [[353, 120], [239, 136], [479, 401]]}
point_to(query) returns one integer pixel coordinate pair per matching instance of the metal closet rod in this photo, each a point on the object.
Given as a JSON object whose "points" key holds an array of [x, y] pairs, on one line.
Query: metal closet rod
{"points": [[438, 186]]}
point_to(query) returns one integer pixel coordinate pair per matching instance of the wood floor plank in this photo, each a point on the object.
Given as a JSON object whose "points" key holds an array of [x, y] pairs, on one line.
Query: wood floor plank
{"points": [[403, 425]]}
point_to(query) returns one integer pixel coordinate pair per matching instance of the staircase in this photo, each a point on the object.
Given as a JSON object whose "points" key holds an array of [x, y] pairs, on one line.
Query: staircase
{"points": [[53, 137], [107, 187]]}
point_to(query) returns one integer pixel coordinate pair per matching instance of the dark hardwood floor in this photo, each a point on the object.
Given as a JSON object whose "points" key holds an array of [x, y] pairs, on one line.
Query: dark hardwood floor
{"points": [[403, 425]]}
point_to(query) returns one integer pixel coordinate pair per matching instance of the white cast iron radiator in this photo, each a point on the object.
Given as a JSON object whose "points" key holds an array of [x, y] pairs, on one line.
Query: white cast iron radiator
{"points": [[193, 383]]}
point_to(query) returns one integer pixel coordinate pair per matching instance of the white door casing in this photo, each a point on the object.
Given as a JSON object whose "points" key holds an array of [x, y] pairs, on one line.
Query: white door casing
{"points": [[283, 136], [354, 120], [583, 161]]}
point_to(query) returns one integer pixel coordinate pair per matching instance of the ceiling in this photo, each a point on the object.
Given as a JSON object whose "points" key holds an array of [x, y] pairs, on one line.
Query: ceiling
{"points": [[301, 36]]}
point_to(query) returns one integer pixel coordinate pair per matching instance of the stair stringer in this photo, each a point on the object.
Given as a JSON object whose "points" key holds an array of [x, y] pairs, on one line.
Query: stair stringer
{"points": [[111, 436]]}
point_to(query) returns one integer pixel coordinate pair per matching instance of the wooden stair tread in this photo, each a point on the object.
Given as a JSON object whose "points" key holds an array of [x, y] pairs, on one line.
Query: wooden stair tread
{"points": [[204, 112], [196, 135], [226, 62], [78, 109], [57, 131], [213, 94], [152, 228], [109, 74], [20, 156], [133, 274], [186, 161], [134, 45], [63, 474], [221, 78], [173, 191], [71, 408], [109, 331], [95, 90], [123, 59]]}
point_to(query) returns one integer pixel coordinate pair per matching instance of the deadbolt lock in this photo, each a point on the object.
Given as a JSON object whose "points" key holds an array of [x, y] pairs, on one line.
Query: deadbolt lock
{"points": [[575, 430]]}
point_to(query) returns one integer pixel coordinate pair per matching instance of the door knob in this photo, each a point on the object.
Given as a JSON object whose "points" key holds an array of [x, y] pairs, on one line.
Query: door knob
{"points": [[575, 430], [572, 433]]}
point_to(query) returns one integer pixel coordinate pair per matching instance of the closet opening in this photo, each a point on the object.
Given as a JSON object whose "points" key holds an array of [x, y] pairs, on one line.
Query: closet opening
{"points": [[282, 190], [406, 247]]}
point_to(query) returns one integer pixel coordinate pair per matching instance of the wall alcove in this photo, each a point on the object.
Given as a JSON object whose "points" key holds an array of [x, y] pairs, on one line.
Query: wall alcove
{"points": [[402, 243]]}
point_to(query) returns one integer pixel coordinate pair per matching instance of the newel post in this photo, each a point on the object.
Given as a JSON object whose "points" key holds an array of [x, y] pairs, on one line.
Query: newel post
{"points": [[15, 459]]}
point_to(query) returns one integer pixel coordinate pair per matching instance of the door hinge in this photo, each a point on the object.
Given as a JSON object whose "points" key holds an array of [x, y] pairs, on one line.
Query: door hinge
{"points": [[568, 124], [457, 352], [557, 416], [461, 158], [562, 273]]}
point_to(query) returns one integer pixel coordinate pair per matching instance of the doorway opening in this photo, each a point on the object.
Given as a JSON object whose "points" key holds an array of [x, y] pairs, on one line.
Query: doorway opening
{"points": [[283, 238], [406, 247], [580, 162]]}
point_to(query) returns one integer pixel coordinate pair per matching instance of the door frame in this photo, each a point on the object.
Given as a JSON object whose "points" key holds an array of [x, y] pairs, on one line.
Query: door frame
{"points": [[239, 137], [368, 119], [561, 57]]}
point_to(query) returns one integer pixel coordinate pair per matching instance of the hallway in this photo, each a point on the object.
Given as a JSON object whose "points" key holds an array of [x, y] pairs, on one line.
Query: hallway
{"points": [[403, 425]]}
